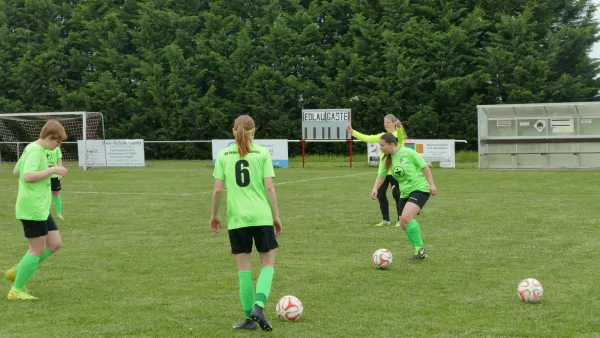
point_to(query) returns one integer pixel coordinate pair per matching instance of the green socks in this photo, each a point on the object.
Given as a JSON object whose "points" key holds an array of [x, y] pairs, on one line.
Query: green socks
{"points": [[263, 288], [246, 291], [413, 233], [263, 285], [45, 255], [26, 268], [409, 238], [58, 204]]}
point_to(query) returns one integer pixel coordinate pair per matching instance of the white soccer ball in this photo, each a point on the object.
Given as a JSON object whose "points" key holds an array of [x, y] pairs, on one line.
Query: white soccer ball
{"points": [[289, 308], [382, 258], [530, 290]]}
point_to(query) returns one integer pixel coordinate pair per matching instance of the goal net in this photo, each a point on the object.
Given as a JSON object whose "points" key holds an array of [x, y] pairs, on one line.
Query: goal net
{"points": [[19, 129]]}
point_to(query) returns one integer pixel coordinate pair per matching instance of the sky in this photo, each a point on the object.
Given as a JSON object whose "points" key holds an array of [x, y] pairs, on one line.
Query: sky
{"points": [[595, 53]]}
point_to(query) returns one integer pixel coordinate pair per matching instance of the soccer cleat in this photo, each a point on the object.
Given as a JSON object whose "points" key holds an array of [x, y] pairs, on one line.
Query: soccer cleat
{"points": [[11, 274], [247, 324], [16, 294], [383, 223], [60, 217], [397, 224], [419, 254], [258, 316]]}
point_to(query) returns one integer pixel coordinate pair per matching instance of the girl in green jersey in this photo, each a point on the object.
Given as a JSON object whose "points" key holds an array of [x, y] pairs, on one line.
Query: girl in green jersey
{"points": [[394, 126], [416, 186], [252, 216], [33, 207]]}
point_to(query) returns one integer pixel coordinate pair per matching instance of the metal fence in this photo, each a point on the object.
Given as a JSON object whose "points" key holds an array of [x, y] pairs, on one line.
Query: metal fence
{"points": [[202, 149]]}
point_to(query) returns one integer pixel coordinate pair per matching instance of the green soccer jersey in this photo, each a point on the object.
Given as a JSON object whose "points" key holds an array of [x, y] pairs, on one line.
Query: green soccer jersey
{"points": [[33, 199], [406, 168], [399, 133], [247, 201], [52, 157]]}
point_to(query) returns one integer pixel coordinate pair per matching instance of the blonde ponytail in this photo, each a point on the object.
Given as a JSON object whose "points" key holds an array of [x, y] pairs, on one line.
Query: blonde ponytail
{"points": [[243, 128]]}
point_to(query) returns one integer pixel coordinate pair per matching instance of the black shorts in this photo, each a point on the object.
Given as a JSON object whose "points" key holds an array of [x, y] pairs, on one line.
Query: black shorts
{"points": [[34, 229], [417, 197], [263, 236], [55, 184]]}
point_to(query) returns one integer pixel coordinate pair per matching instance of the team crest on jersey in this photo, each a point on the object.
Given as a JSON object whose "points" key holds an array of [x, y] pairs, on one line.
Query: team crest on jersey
{"points": [[398, 171], [48, 156]]}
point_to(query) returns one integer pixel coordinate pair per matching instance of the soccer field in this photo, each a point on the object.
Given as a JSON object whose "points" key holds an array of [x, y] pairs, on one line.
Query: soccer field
{"points": [[138, 257]]}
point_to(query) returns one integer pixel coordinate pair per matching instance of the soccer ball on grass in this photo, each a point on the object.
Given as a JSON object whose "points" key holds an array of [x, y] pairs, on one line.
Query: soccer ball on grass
{"points": [[530, 290], [289, 308], [382, 258]]}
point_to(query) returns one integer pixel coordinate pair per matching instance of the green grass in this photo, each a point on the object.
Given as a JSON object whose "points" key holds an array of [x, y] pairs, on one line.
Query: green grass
{"points": [[138, 257], [467, 157]]}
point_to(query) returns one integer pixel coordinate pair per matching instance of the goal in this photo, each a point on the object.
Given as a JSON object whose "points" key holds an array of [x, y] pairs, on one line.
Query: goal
{"points": [[19, 129]]}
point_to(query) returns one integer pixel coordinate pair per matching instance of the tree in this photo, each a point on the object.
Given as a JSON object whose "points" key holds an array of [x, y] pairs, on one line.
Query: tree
{"points": [[176, 70]]}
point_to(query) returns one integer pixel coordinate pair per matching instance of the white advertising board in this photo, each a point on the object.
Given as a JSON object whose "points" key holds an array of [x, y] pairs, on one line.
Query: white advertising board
{"points": [[112, 153], [441, 151], [277, 148]]}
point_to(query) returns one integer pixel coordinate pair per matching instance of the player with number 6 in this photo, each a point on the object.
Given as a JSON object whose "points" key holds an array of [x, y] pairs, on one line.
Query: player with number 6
{"points": [[252, 216]]}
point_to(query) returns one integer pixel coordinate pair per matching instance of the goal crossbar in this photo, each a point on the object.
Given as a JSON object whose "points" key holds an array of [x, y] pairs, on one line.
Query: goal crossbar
{"points": [[48, 113]]}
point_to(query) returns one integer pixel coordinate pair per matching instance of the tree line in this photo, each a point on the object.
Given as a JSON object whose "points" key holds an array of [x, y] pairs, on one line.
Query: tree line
{"points": [[184, 69]]}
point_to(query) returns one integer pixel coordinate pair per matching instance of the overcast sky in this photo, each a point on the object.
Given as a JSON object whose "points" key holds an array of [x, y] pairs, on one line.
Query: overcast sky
{"points": [[596, 49]]}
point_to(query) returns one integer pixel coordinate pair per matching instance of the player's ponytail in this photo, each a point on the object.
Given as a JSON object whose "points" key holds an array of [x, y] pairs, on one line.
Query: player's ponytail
{"points": [[243, 129], [390, 139], [388, 161]]}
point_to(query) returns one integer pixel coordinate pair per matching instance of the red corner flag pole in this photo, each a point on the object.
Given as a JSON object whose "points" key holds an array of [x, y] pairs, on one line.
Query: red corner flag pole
{"points": [[350, 139]]}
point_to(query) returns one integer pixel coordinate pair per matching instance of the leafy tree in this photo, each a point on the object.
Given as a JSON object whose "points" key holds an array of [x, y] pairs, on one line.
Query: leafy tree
{"points": [[182, 70]]}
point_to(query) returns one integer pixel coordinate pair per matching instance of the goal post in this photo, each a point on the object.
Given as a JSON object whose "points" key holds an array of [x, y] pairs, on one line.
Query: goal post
{"points": [[19, 129]]}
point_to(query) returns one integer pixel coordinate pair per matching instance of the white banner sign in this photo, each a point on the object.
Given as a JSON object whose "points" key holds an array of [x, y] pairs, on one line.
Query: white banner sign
{"points": [[277, 148], [373, 154], [112, 153], [441, 151]]}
